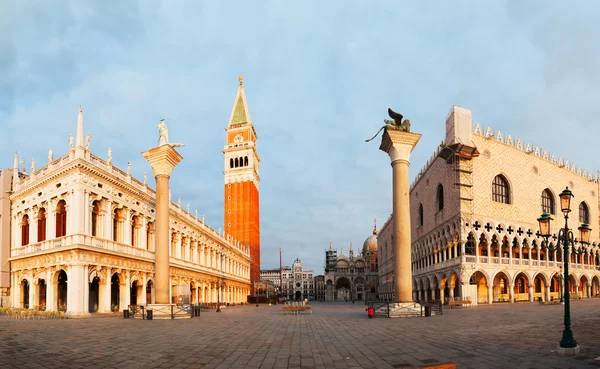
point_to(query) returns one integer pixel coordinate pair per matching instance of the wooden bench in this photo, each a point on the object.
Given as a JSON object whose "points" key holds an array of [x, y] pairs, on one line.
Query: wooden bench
{"points": [[551, 302], [296, 309], [452, 304]]}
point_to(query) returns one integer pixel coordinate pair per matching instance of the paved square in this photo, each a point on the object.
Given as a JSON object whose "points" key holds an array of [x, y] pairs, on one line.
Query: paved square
{"points": [[337, 335]]}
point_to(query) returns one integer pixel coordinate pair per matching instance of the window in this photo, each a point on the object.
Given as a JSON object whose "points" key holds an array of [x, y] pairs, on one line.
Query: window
{"points": [[420, 216], [440, 197], [61, 219], [584, 214], [547, 201], [135, 225], [500, 190], [41, 224], [149, 231], [25, 230], [95, 211]]}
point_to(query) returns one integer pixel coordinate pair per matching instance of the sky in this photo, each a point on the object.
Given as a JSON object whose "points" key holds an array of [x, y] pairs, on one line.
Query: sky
{"points": [[318, 76]]}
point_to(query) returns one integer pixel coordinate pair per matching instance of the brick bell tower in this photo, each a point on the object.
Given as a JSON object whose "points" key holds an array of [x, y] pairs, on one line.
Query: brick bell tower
{"points": [[242, 220]]}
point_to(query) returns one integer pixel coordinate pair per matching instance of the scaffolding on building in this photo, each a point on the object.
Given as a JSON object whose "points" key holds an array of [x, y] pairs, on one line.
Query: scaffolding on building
{"points": [[460, 156]]}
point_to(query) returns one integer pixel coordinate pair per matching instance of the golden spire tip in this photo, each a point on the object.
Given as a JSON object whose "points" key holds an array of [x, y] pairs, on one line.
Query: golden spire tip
{"points": [[240, 78]]}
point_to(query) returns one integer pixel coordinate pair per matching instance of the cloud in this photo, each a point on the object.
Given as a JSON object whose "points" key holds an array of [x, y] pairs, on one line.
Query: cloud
{"points": [[319, 78]]}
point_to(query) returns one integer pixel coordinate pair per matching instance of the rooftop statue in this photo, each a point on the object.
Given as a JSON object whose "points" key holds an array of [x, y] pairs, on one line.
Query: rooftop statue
{"points": [[87, 141], [395, 123]]}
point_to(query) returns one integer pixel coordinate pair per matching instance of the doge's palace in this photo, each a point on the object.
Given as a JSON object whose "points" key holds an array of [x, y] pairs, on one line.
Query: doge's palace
{"points": [[83, 240], [474, 209]]}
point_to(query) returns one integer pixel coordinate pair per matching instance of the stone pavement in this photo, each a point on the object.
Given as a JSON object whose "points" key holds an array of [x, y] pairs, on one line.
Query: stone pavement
{"points": [[337, 335]]}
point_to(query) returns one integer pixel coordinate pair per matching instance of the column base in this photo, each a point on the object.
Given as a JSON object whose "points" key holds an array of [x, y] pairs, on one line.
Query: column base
{"points": [[568, 351], [168, 311], [405, 310]]}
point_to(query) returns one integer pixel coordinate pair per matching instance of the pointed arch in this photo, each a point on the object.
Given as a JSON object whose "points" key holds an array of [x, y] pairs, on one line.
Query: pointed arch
{"points": [[584, 212], [440, 197]]}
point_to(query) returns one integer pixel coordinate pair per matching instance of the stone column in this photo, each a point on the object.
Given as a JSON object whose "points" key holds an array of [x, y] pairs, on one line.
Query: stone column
{"points": [[33, 290], [104, 291], [398, 145], [142, 298], [50, 289], [76, 283], [162, 159], [490, 292], [546, 293], [531, 292]]}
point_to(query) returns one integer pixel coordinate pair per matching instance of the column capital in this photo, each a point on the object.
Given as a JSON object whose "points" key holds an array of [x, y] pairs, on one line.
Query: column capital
{"points": [[162, 159], [398, 144]]}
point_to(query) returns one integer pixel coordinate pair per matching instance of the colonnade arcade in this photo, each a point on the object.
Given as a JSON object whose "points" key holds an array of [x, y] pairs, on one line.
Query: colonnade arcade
{"points": [[60, 288], [487, 286], [494, 244]]}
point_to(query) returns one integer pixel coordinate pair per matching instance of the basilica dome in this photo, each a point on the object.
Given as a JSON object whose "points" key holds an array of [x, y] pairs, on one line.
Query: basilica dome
{"points": [[370, 244]]}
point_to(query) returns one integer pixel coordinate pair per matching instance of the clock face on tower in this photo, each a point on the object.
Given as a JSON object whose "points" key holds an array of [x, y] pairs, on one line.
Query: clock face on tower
{"points": [[238, 138]]}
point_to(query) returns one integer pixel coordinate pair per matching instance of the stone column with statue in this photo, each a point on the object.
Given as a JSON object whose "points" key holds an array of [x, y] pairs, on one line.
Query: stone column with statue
{"points": [[162, 159], [398, 142]]}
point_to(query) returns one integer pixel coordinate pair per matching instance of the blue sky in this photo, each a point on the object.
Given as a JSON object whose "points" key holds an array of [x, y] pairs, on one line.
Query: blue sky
{"points": [[319, 77]]}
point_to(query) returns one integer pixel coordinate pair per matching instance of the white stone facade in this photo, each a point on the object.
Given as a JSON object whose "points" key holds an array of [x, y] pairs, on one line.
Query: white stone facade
{"points": [[272, 276], [83, 241], [474, 210], [298, 284]]}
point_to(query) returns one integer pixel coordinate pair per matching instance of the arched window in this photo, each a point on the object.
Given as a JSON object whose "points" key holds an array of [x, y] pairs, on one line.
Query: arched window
{"points": [[118, 225], [149, 231], [547, 201], [237, 163], [135, 225], [231, 163], [41, 225], [500, 190], [25, 230], [440, 197], [61, 219], [584, 213], [245, 161], [420, 216], [95, 211]]}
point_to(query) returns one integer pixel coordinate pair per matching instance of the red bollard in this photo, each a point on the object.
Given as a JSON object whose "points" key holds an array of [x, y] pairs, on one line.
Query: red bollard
{"points": [[370, 312]]}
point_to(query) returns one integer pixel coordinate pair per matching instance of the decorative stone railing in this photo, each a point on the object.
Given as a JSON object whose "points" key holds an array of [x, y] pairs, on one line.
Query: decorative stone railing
{"points": [[497, 261], [83, 241]]}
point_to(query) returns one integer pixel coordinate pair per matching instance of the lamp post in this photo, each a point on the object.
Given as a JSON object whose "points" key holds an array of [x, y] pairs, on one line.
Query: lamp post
{"points": [[567, 345]]}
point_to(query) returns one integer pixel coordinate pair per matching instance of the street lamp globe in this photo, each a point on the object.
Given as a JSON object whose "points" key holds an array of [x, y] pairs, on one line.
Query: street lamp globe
{"points": [[544, 221], [584, 233], [565, 200]]}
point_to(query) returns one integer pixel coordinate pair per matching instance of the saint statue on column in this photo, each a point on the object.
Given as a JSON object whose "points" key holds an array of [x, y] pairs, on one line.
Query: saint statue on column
{"points": [[163, 133]]}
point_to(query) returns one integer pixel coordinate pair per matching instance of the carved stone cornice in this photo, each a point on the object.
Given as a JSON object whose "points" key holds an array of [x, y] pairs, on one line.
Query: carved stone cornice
{"points": [[162, 159], [398, 144]]}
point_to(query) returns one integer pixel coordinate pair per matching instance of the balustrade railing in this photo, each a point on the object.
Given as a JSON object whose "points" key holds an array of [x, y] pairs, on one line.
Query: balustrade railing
{"points": [[81, 240]]}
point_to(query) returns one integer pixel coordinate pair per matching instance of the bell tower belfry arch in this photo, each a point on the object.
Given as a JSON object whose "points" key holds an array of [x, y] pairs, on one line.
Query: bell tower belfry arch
{"points": [[241, 213]]}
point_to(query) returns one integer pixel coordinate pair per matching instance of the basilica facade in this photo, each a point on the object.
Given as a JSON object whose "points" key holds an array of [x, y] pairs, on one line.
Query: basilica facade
{"points": [[473, 212], [82, 235], [352, 277]]}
